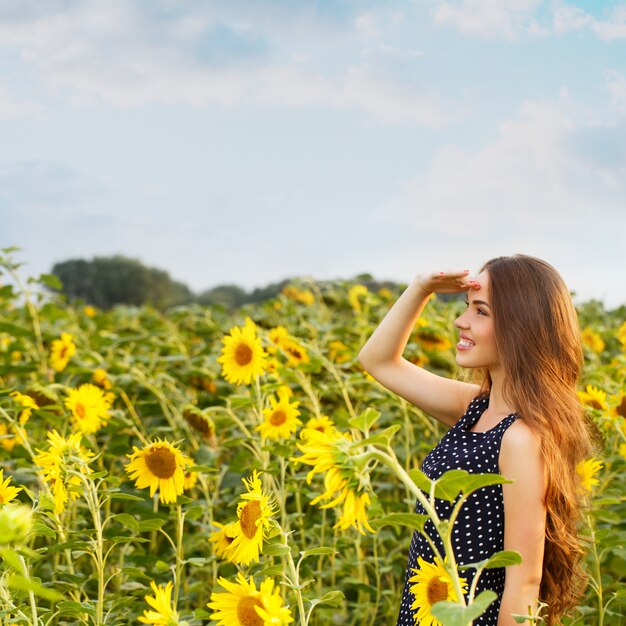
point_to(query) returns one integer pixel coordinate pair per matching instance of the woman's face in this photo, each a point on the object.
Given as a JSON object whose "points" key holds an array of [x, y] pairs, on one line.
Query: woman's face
{"points": [[477, 341]]}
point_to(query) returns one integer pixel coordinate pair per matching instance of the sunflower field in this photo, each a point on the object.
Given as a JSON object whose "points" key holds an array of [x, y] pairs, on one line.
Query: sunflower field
{"points": [[201, 466]]}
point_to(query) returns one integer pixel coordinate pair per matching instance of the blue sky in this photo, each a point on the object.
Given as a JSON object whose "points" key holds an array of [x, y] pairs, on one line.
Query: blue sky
{"points": [[250, 141]]}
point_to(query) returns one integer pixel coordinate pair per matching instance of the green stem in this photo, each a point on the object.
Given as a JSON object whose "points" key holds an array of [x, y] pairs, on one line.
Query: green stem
{"points": [[295, 582], [389, 459], [179, 552], [31, 595]]}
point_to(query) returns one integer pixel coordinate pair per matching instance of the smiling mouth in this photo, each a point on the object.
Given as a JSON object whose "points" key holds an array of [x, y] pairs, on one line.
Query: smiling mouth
{"points": [[465, 344]]}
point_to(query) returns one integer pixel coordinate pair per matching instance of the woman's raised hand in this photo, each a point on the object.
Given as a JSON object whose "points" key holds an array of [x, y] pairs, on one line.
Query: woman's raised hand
{"points": [[450, 281]]}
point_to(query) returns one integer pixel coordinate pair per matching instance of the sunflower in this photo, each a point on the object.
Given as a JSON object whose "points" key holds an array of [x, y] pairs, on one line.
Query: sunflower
{"points": [[300, 295], [242, 357], [222, 538], [253, 512], [89, 407], [593, 397], [586, 471], [90, 311], [618, 407], [7, 492], [296, 353], [191, 478], [592, 340], [163, 614], [621, 335], [27, 403], [160, 465], [10, 437], [61, 351], [322, 424], [432, 584], [244, 605], [277, 336], [338, 351], [328, 452], [432, 339], [63, 456], [281, 420], [356, 292], [100, 377], [200, 422]]}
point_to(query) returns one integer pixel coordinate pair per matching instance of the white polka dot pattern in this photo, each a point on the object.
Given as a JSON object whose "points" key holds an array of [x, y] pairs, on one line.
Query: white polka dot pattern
{"points": [[478, 531]]}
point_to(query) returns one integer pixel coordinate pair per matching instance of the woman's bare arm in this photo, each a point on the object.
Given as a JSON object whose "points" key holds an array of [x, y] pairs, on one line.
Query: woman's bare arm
{"points": [[524, 519], [443, 398]]}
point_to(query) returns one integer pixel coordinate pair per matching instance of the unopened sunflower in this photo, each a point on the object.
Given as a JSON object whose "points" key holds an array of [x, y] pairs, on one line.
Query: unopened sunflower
{"points": [[61, 351], [281, 419], [60, 464], [253, 513], [243, 357], [159, 465], [89, 406], [242, 604], [432, 583], [162, 613]]}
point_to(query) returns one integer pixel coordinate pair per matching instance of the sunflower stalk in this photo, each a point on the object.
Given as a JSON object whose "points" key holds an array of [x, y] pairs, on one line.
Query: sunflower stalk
{"points": [[31, 595], [180, 554], [294, 580], [94, 503], [444, 528]]}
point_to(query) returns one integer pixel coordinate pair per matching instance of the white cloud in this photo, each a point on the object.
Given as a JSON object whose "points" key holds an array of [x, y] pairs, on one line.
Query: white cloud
{"points": [[546, 170], [488, 18], [494, 19], [616, 84], [119, 54]]}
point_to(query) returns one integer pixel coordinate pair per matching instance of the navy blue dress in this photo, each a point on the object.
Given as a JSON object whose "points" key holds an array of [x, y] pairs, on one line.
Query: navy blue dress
{"points": [[479, 528]]}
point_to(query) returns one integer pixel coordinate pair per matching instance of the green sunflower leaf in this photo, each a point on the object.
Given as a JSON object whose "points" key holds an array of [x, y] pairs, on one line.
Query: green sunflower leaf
{"points": [[453, 614]]}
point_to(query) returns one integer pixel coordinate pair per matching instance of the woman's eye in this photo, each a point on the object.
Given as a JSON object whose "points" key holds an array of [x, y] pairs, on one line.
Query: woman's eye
{"points": [[481, 312]]}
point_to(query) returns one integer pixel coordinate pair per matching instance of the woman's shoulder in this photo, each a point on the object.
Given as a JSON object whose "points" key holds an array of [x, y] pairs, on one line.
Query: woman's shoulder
{"points": [[520, 450]]}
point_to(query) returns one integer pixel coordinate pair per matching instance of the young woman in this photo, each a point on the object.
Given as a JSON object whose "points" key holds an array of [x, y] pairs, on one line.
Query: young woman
{"points": [[520, 332]]}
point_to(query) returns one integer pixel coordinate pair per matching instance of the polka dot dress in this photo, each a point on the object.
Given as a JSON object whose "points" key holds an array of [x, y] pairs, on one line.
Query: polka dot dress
{"points": [[479, 529]]}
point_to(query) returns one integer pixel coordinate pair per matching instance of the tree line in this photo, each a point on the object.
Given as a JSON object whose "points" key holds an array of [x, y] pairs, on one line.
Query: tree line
{"points": [[107, 281]]}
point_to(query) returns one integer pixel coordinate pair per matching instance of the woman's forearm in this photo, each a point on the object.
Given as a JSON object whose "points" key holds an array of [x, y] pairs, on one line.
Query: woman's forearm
{"points": [[388, 341], [517, 601]]}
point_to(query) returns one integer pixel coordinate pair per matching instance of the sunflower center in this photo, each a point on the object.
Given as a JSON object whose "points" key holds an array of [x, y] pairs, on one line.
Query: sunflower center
{"points": [[80, 410], [161, 462], [246, 612], [595, 403], [250, 513], [621, 407], [243, 354], [294, 352], [436, 590], [278, 418]]}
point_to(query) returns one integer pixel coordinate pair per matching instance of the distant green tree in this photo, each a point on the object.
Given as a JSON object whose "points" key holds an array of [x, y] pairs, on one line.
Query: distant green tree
{"points": [[107, 281], [231, 296]]}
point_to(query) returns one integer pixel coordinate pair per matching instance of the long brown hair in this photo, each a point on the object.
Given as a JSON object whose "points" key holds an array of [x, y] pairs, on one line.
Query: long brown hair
{"points": [[538, 341]]}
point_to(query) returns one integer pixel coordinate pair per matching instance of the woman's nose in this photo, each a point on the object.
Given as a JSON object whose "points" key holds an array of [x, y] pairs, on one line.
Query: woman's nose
{"points": [[460, 322]]}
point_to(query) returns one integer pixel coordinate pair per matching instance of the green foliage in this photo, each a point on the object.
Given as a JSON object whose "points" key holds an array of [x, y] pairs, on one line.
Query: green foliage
{"points": [[107, 281], [99, 557]]}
